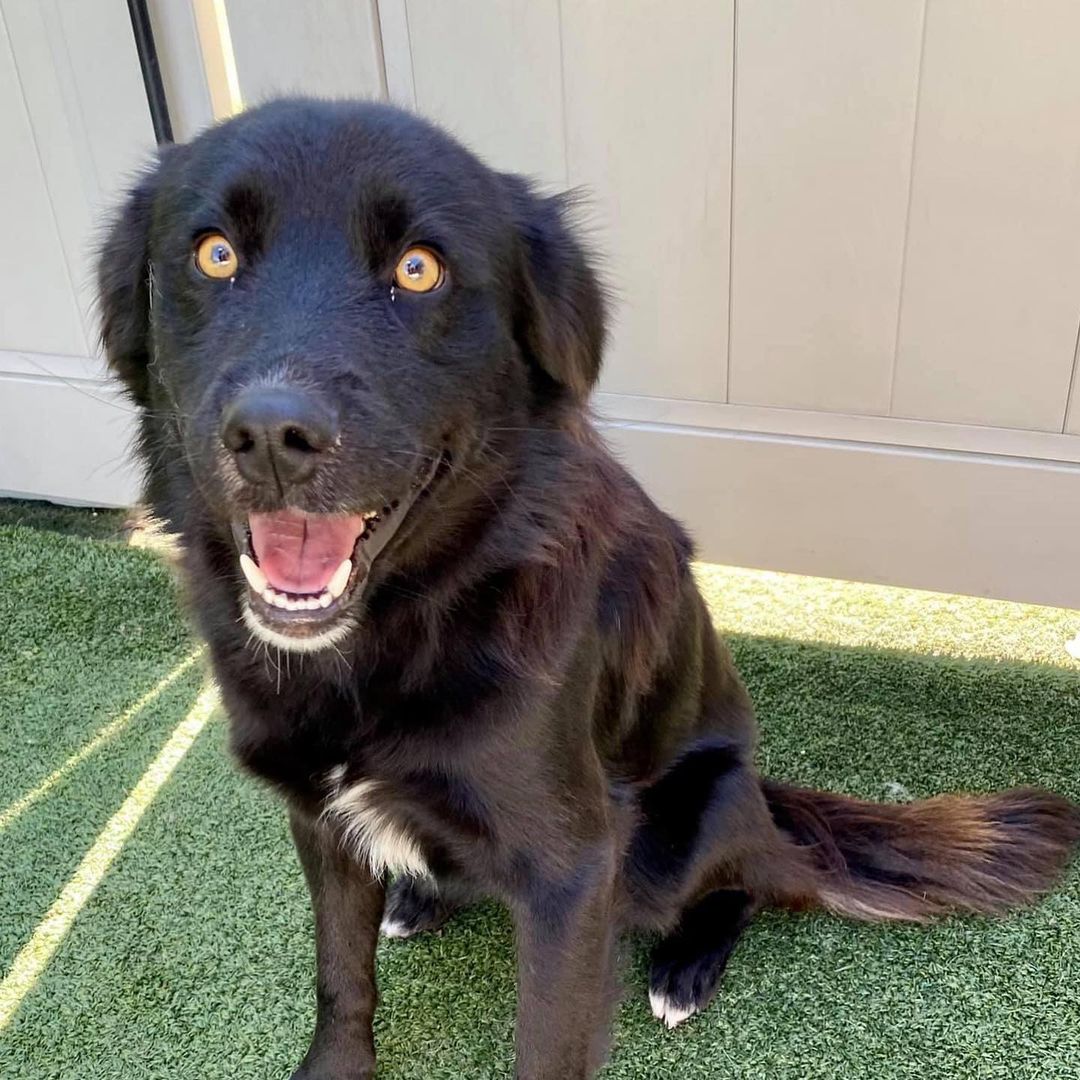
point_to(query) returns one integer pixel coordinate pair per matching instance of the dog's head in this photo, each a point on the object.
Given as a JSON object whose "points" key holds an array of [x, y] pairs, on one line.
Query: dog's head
{"points": [[324, 312]]}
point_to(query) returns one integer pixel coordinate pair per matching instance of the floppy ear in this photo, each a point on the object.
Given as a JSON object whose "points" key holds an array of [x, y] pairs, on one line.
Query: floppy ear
{"points": [[559, 315], [123, 280]]}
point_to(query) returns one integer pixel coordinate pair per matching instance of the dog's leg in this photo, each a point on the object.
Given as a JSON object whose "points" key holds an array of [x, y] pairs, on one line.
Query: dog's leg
{"points": [[565, 941], [348, 904], [688, 963]]}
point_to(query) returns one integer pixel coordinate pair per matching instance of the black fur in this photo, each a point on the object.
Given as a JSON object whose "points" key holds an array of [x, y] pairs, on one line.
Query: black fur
{"points": [[526, 685]]}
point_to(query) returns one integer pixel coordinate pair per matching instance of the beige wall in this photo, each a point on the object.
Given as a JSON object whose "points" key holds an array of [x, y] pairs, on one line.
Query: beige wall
{"points": [[74, 127], [842, 237]]}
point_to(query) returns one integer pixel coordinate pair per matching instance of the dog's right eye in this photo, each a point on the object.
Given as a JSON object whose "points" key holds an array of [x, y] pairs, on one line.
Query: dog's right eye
{"points": [[216, 257], [419, 270]]}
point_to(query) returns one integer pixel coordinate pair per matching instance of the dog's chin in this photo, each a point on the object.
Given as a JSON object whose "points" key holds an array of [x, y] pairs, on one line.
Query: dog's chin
{"points": [[316, 636], [303, 573]]}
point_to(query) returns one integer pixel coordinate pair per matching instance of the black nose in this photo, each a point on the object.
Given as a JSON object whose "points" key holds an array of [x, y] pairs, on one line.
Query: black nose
{"points": [[277, 434]]}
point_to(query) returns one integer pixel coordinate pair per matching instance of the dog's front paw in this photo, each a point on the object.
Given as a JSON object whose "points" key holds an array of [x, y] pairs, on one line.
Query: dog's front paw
{"points": [[412, 906]]}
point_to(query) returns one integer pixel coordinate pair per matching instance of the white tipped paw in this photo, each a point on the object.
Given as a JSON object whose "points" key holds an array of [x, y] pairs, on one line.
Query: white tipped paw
{"points": [[672, 1014], [391, 928]]}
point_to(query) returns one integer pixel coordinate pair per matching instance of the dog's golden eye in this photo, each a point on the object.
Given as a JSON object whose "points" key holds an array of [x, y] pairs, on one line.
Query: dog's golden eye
{"points": [[419, 270], [216, 257]]}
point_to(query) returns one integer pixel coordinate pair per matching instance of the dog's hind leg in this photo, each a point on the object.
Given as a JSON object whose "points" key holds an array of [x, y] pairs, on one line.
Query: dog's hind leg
{"points": [[701, 864], [687, 963], [418, 904]]}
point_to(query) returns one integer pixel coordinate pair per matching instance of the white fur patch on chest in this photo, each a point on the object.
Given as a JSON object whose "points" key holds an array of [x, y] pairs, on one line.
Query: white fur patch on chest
{"points": [[368, 832]]}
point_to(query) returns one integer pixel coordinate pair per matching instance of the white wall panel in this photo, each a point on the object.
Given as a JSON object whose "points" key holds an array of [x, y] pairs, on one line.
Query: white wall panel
{"points": [[952, 522], [824, 114], [87, 457], [74, 127], [648, 136], [330, 48], [84, 102], [489, 70], [992, 281], [39, 310]]}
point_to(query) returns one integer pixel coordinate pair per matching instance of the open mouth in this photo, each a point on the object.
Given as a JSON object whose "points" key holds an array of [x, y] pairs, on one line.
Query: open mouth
{"points": [[302, 569]]}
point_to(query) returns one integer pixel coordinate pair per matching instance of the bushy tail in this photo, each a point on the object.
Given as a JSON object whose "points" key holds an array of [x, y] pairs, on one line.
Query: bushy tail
{"points": [[914, 861]]}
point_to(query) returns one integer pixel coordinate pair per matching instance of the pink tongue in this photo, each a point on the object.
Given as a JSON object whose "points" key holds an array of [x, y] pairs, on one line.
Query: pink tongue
{"points": [[299, 552]]}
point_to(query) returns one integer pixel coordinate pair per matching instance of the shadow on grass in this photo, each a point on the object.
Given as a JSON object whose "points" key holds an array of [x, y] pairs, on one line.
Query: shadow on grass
{"points": [[80, 521], [195, 956]]}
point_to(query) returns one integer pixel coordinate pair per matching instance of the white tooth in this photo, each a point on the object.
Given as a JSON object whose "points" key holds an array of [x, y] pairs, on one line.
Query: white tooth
{"points": [[325, 600], [269, 595], [293, 605], [311, 603], [336, 585], [255, 577]]}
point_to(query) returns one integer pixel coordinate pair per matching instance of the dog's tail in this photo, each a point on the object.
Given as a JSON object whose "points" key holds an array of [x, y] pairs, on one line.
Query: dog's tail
{"points": [[914, 861]]}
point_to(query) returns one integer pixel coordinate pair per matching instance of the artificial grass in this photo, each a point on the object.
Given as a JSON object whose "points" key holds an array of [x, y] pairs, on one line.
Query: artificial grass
{"points": [[193, 958], [68, 520]]}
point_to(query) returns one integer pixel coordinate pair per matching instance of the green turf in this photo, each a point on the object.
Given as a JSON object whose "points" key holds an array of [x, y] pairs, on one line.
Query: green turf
{"points": [[193, 957], [69, 520]]}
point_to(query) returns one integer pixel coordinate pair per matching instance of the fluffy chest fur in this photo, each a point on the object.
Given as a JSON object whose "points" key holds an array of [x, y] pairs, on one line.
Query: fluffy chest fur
{"points": [[370, 829]]}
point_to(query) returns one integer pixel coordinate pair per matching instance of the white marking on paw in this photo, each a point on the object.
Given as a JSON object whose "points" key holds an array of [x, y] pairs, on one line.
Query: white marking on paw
{"points": [[663, 1008], [371, 834], [394, 929]]}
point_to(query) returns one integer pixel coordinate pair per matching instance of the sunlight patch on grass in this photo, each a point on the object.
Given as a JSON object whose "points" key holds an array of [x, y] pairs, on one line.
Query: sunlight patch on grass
{"points": [[103, 735], [35, 955], [771, 604]]}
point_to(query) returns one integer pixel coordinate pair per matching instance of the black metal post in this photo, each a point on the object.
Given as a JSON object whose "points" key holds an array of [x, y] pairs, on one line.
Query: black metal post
{"points": [[151, 71]]}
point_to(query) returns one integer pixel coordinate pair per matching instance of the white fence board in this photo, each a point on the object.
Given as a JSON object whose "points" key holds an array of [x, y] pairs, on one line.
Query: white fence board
{"points": [[39, 310], [824, 117], [952, 522], [329, 49], [647, 90], [490, 72], [992, 281], [87, 421]]}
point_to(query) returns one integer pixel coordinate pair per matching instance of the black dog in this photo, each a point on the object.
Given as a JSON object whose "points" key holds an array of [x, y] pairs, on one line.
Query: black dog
{"points": [[362, 360]]}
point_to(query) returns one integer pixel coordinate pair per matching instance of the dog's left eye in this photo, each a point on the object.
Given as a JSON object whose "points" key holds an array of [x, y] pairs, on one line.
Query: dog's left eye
{"points": [[216, 257], [419, 270]]}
